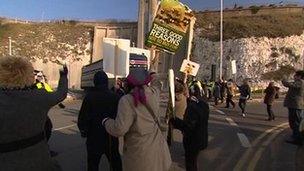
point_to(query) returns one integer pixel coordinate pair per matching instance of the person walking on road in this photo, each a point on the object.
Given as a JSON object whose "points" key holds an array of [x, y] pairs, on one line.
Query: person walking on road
{"points": [[294, 101], [137, 120], [194, 127], [271, 93], [23, 113], [217, 93], [230, 94], [245, 93], [223, 86], [97, 102]]}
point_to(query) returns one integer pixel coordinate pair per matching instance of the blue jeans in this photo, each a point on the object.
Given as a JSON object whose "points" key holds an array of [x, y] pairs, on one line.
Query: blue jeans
{"points": [[294, 118]]}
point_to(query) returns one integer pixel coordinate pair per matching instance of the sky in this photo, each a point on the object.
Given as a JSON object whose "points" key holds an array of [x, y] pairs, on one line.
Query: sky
{"points": [[43, 10]]}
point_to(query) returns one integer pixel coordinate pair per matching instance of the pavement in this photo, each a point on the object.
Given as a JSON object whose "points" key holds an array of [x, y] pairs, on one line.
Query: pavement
{"points": [[235, 143]]}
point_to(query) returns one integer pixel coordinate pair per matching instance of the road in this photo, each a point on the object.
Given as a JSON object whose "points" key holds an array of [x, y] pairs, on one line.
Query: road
{"points": [[235, 143]]}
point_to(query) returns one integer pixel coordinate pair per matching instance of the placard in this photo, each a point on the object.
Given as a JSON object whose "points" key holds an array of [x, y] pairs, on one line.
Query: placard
{"points": [[116, 54], [189, 67], [170, 25]]}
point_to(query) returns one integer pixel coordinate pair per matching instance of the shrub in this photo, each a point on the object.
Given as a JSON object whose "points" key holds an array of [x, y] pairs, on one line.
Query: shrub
{"points": [[254, 9]]}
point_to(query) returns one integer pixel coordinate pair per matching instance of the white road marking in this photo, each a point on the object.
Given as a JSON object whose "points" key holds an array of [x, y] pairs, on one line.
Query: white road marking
{"points": [[244, 140], [245, 157], [219, 111], [61, 128], [231, 122]]}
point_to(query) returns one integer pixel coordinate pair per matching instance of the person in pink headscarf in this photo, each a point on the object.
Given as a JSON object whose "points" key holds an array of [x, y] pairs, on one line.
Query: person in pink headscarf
{"points": [[145, 147]]}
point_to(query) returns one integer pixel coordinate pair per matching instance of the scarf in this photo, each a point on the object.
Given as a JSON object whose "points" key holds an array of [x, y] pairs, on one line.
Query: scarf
{"points": [[138, 92]]}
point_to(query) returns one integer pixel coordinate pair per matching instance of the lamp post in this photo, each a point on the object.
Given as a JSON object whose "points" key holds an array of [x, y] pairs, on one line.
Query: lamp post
{"points": [[10, 46], [221, 41]]}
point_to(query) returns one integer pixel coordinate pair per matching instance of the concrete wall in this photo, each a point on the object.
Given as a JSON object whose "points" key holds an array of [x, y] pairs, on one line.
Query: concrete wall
{"points": [[117, 30], [125, 30]]}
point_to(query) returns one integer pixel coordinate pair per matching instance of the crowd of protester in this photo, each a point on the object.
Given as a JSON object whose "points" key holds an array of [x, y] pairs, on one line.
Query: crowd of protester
{"points": [[130, 109]]}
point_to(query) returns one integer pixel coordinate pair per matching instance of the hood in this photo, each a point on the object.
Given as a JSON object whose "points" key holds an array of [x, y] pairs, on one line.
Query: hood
{"points": [[101, 79]]}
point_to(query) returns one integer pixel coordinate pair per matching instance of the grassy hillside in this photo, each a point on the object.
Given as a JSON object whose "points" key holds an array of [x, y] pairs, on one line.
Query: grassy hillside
{"points": [[46, 41], [272, 25]]}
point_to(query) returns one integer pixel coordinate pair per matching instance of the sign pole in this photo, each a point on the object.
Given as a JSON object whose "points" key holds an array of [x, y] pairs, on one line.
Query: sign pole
{"points": [[10, 46], [221, 41], [115, 62], [190, 39]]}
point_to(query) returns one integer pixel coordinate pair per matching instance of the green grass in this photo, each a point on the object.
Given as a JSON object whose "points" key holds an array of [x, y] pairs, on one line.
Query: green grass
{"points": [[45, 41]]}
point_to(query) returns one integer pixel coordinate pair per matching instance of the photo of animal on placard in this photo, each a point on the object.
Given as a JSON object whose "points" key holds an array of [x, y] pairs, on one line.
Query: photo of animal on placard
{"points": [[174, 14]]}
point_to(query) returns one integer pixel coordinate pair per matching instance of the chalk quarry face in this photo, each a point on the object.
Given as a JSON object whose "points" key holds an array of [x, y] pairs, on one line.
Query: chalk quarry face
{"points": [[254, 56]]}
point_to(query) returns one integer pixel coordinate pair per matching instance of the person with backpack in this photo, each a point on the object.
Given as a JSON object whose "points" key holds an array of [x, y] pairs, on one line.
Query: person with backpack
{"points": [[230, 93], [245, 93], [271, 93]]}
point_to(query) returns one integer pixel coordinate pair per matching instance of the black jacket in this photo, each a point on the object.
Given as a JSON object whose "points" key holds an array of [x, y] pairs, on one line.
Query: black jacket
{"points": [[194, 126], [245, 91], [97, 104]]}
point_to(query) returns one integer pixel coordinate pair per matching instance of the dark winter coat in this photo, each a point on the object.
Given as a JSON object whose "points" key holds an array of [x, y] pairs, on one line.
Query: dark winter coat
{"points": [[270, 94], [96, 104], [194, 125], [295, 96], [23, 114], [217, 91], [245, 91]]}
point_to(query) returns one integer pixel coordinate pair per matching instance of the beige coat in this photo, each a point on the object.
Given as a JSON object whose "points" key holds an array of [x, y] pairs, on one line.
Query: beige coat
{"points": [[145, 148], [180, 105]]}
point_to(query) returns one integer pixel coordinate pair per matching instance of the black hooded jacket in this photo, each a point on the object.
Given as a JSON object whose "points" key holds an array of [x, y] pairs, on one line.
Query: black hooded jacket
{"points": [[98, 103], [194, 125]]}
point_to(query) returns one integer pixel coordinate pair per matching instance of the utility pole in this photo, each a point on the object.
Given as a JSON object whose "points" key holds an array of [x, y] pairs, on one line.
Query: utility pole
{"points": [[146, 12], [221, 42], [10, 46], [141, 23]]}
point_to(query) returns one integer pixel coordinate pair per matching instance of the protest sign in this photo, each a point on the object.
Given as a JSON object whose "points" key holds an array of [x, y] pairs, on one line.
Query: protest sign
{"points": [[189, 68], [233, 67], [116, 57], [170, 25]]}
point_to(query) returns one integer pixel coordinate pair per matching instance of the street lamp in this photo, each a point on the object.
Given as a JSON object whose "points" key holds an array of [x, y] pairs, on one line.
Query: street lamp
{"points": [[221, 41], [10, 46]]}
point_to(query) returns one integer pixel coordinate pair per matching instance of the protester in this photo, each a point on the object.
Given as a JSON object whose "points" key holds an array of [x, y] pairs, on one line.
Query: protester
{"points": [[194, 127], [205, 89], [23, 113], [137, 120], [41, 83], [294, 101], [119, 88], [199, 85], [97, 102], [210, 86], [271, 92], [216, 93], [223, 86], [230, 93], [245, 93]]}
